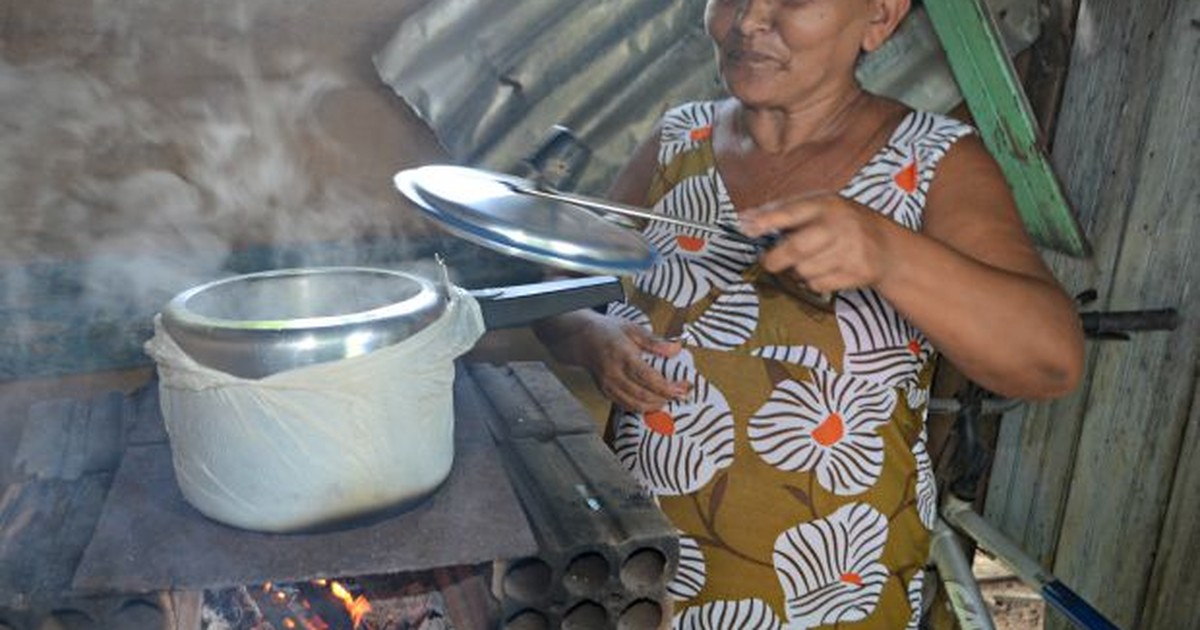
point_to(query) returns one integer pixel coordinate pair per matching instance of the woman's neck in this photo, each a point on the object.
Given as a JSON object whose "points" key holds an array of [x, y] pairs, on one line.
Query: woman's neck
{"points": [[779, 130]]}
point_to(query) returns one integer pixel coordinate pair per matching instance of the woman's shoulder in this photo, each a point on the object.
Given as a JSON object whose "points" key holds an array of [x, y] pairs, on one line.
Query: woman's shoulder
{"points": [[931, 129], [693, 109], [923, 138], [916, 130], [682, 121], [685, 128]]}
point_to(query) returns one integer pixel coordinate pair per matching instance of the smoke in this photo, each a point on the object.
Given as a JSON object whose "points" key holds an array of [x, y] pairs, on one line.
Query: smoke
{"points": [[142, 185]]}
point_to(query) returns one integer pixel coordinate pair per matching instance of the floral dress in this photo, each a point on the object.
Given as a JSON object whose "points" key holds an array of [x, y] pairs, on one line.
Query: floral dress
{"points": [[796, 470]]}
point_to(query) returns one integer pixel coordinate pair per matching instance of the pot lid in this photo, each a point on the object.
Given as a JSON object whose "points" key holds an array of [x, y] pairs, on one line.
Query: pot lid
{"points": [[488, 209]]}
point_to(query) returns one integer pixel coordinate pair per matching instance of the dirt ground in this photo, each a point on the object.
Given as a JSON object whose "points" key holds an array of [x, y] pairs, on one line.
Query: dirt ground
{"points": [[1013, 605]]}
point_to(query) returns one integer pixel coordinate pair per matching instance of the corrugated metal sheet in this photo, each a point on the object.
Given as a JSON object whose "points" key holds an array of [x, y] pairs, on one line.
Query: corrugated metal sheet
{"points": [[491, 77]]}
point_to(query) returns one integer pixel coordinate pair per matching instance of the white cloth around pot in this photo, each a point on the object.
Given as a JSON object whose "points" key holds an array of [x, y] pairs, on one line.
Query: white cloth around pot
{"points": [[320, 443]]}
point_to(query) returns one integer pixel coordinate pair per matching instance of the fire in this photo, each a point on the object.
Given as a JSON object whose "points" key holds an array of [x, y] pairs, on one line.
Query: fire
{"points": [[357, 607], [296, 612]]}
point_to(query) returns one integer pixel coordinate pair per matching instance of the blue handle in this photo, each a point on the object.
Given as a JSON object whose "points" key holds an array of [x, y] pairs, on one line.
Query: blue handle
{"points": [[766, 241], [1075, 608]]}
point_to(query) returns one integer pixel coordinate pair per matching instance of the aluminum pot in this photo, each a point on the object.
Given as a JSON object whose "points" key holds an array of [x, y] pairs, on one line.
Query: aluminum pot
{"points": [[259, 324], [303, 399]]}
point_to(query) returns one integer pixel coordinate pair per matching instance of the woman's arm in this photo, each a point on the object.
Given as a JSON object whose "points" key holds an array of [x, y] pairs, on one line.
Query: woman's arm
{"points": [[975, 284], [971, 280], [632, 184]]}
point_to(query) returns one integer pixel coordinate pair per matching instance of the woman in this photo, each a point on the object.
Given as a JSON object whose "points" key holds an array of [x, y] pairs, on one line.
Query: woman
{"points": [[782, 434]]}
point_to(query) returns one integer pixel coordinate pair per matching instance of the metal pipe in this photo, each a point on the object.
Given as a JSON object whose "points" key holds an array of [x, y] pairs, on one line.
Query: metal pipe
{"points": [[955, 570], [1076, 609]]}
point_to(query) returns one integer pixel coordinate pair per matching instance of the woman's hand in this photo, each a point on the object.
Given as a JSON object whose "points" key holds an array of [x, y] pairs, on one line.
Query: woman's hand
{"points": [[827, 242], [614, 357], [612, 350]]}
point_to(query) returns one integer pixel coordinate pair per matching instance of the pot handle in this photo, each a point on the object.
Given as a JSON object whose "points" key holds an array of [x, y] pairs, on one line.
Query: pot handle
{"points": [[507, 307]]}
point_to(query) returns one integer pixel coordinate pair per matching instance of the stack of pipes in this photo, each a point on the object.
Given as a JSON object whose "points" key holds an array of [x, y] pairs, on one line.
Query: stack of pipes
{"points": [[605, 551]]}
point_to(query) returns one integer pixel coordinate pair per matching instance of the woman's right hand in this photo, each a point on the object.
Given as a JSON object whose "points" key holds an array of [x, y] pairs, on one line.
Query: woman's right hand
{"points": [[612, 351]]}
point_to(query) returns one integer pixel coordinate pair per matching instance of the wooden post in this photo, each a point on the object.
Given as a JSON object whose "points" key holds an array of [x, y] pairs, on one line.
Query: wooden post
{"points": [[992, 90]]}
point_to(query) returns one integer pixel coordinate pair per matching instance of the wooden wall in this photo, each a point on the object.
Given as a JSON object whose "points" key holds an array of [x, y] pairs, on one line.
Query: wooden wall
{"points": [[1104, 485]]}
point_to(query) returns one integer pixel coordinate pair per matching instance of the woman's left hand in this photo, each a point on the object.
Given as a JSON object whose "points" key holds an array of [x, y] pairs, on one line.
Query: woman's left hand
{"points": [[826, 242]]}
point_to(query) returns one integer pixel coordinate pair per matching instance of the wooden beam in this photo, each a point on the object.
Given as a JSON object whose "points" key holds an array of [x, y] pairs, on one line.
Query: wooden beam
{"points": [[993, 91]]}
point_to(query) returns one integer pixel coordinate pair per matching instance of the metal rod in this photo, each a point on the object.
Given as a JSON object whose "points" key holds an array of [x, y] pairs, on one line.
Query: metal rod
{"points": [[619, 208], [954, 568], [962, 516], [641, 213]]}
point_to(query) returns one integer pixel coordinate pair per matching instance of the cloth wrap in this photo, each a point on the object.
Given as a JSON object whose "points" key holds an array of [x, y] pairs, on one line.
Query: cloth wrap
{"points": [[319, 443]]}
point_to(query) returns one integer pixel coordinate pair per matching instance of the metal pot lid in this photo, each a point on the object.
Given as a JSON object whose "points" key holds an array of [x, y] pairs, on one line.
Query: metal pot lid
{"points": [[485, 208]]}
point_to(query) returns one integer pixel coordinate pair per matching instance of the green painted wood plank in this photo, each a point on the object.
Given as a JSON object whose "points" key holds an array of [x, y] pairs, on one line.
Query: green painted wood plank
{"points": [[993, 91]]}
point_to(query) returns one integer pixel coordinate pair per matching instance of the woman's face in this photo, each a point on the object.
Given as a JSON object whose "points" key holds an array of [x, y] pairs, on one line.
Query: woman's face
{"points": [[777, 53]]}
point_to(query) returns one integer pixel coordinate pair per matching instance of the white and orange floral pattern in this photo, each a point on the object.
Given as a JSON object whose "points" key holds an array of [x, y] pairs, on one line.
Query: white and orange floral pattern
{"points": [[804, 356], [728, 322], [694, 262], [896, 181], [743, 614], [880, 345], [691, 574], [630, 313], [827, 426], [680, 448], [819, 399], [926, 484], [915, 596], [686, 128], [830, 569]]}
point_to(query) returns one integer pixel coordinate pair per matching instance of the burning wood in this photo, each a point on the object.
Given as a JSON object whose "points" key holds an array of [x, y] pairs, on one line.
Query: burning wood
{"points": [[324, 605], [355, 606]]}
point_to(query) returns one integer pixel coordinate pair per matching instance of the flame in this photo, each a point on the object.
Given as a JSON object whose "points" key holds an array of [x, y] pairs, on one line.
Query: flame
{"points": [[301, 611], [340, 591], [357, 607]]}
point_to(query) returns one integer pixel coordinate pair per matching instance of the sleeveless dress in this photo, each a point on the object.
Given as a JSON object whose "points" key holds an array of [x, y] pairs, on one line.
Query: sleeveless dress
{"points": [[796, 471]]}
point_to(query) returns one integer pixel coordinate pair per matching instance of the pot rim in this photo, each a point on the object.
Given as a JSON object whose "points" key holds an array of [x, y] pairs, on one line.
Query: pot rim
{"points": [[429, 294]]}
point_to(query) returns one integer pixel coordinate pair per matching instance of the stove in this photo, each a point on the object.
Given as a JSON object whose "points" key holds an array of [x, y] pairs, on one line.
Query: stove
{"points": [[537, 526]]}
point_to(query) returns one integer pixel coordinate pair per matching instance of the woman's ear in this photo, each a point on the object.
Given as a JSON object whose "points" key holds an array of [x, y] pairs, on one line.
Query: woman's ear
{"points": [[885, 16]]}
